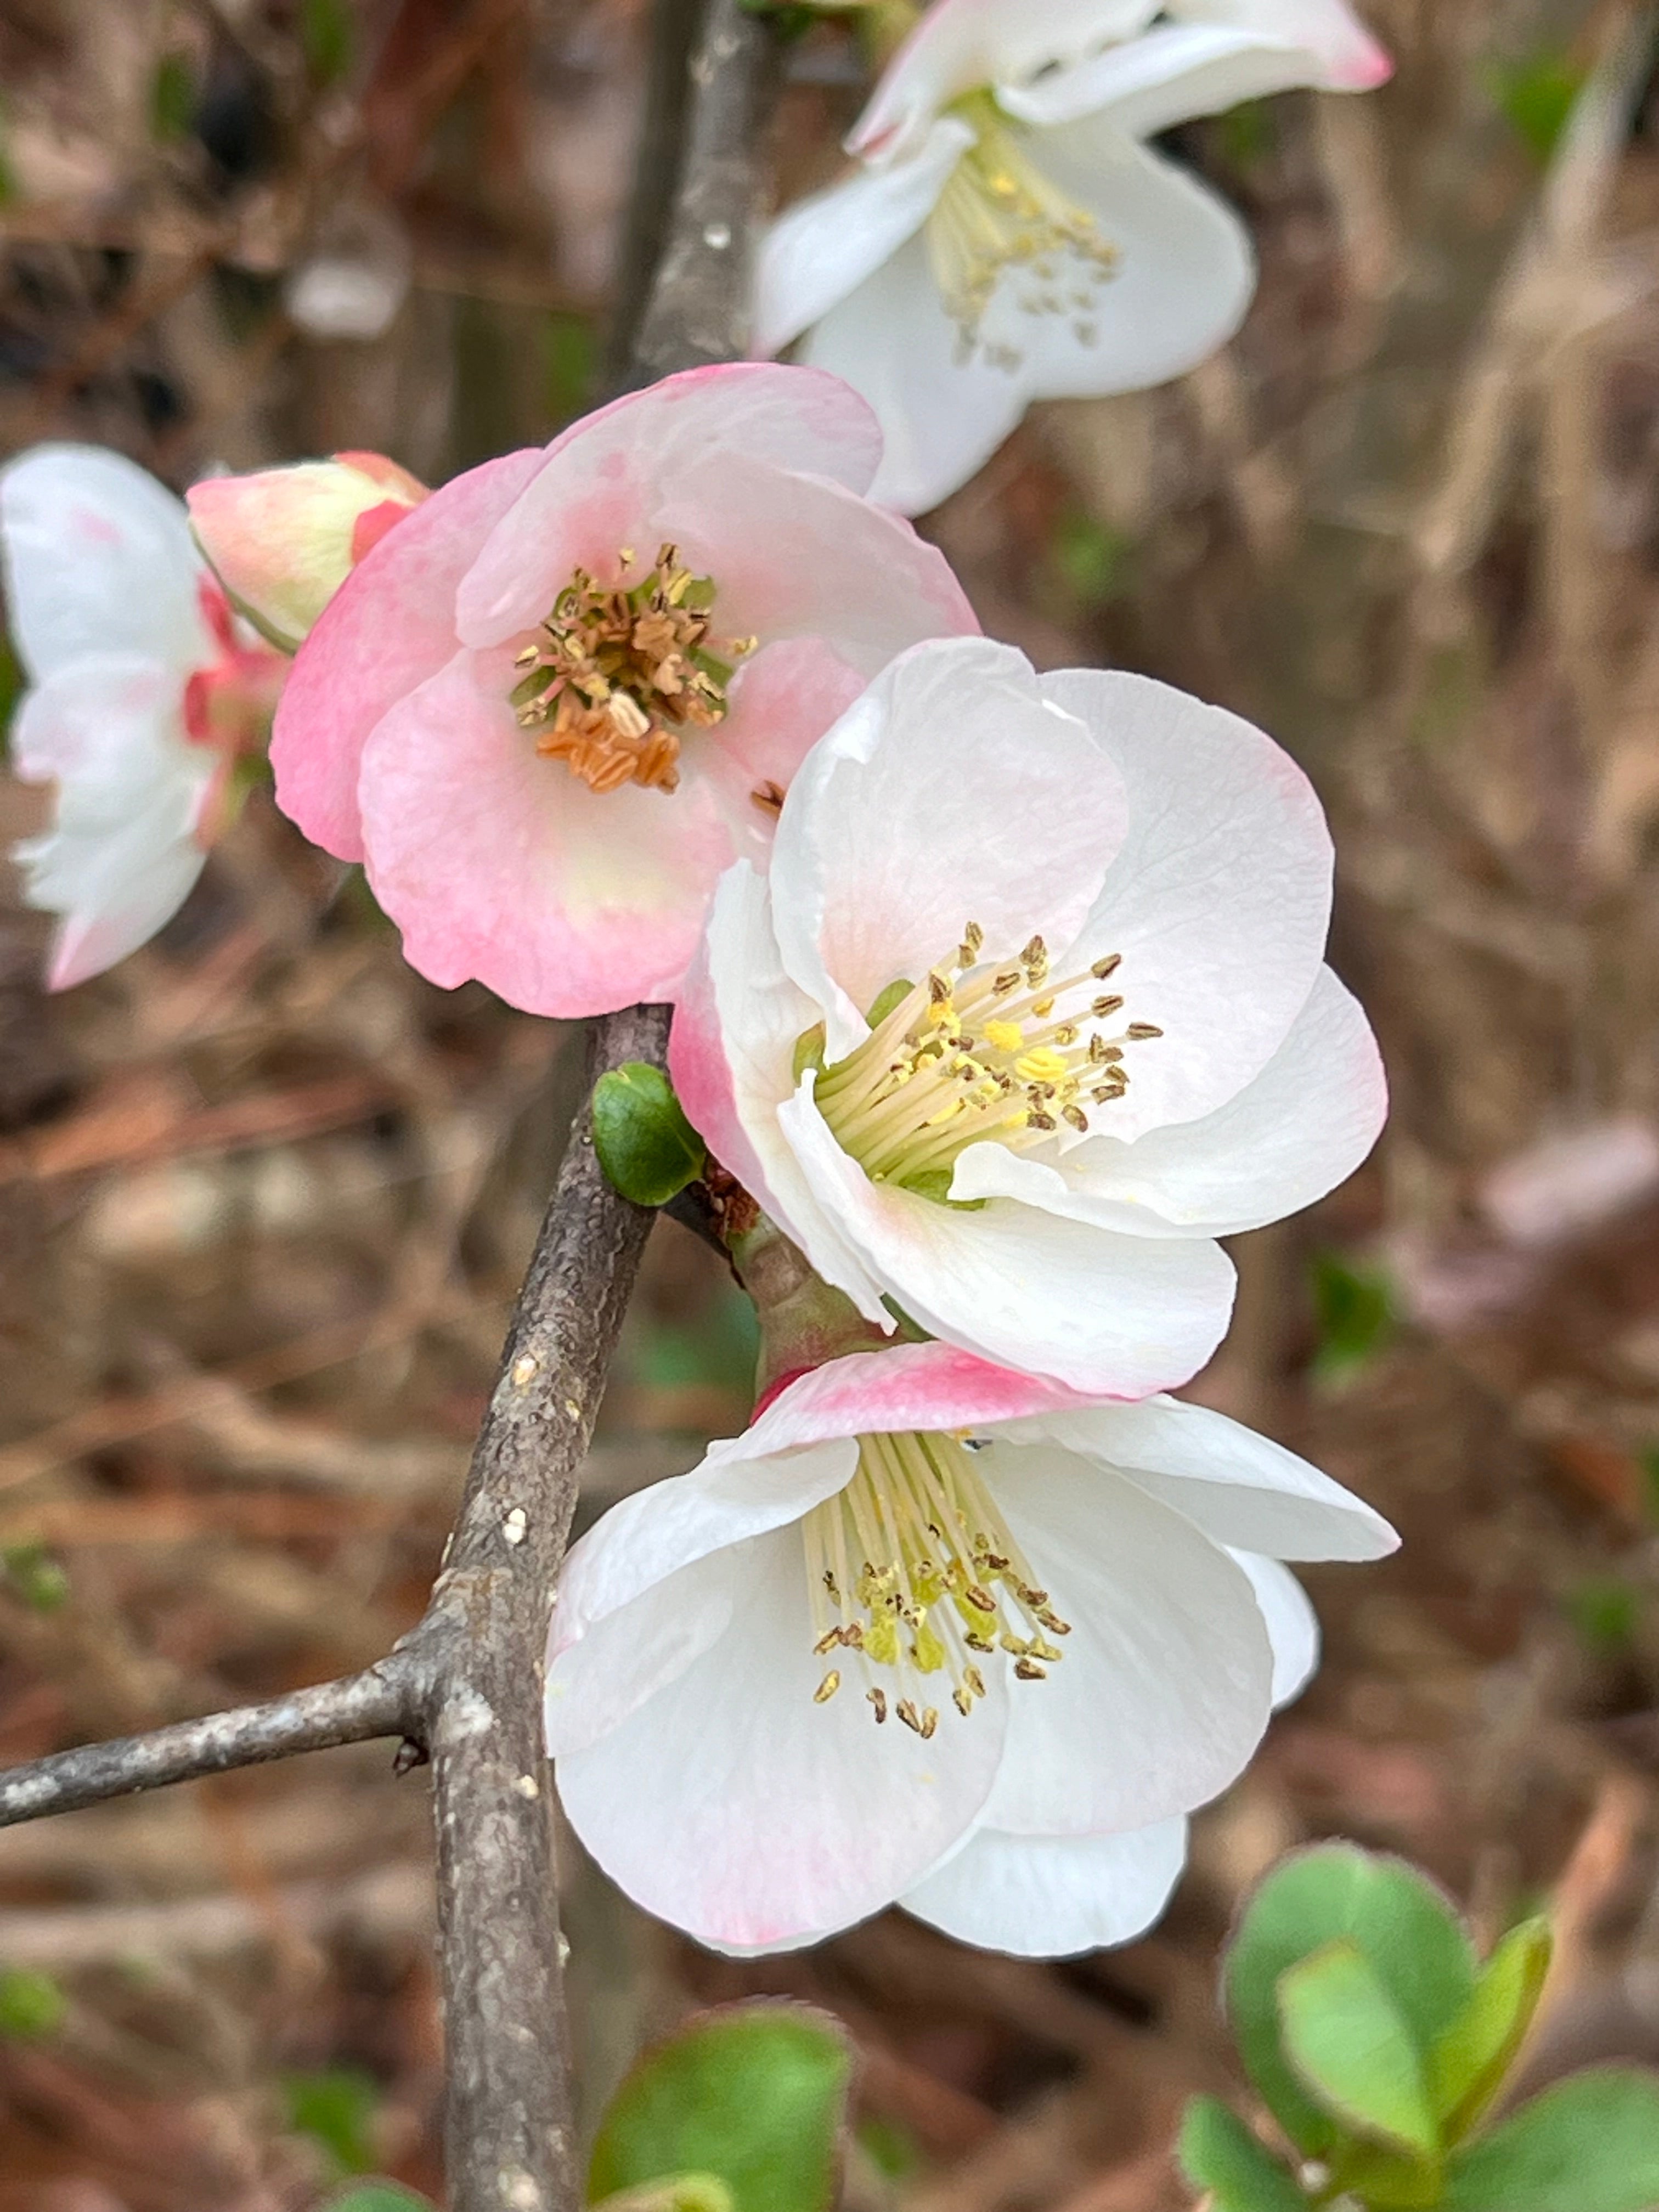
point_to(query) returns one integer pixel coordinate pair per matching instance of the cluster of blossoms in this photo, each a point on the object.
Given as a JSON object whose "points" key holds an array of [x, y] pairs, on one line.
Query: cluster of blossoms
{"points": [[1001, 995]]}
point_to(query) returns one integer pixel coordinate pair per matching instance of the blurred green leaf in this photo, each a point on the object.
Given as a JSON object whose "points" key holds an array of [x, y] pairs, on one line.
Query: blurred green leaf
{"points": [[1353, 1311], [39, 1580], [172, 99], [1591, 2144], [1217, 2152], [1537, 96], [1090, 560], [1396, 1919], [891, 2148], [570, 350], [31, 2005], [646, 1145], [1345, 2036], [328, 39], [1468, 2065], [375, 2197], [336, 2108], [1248, 133], [755, 2094], [1605, 1613], [684, 2192]]}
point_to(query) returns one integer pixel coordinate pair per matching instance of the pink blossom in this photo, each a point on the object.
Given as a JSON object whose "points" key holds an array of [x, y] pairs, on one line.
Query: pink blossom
{"points": [[573, 686]]}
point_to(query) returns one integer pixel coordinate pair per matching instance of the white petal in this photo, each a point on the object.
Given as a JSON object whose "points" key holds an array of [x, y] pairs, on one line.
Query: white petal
{"points": [[620, 1662], [1176, 72], [941, 419], [1218, 899], [1240, 1488], [98, 559], [950, 792], [1298, 1130], [1182, 286], [735, 1807], [730, 1056], [961, 45], [1292, 1624], [1113, 1315], [1164, 1686], [1351, 59], [823, 248], [1051, 1897]]}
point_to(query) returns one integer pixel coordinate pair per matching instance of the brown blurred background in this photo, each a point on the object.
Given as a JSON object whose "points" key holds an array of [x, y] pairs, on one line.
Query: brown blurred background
{"points": [[264, 1195]]}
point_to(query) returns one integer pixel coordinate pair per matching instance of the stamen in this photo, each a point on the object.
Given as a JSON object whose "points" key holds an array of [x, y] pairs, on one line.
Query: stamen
{"points": [[619, 672]]}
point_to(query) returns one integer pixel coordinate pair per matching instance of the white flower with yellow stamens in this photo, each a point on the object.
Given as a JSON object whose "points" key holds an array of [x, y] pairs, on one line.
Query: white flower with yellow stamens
{"points": [[1008, 234], [935, 1633], [1029, 1011]]}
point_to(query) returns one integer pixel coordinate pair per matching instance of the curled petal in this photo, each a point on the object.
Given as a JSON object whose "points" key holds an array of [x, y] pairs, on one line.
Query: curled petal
{"points": [[1052, 1896]]}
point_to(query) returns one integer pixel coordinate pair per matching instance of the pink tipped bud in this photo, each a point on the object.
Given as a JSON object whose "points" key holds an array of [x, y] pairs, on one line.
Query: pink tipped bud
{"points": [[283, 541]]}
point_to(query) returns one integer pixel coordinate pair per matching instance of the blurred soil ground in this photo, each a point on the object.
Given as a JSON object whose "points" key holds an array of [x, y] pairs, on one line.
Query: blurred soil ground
{"points": [[264, 1195]]}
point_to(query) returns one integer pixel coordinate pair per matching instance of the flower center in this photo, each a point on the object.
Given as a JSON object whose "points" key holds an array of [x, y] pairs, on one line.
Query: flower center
{"points": [[997, 212], [620, 671], [980, 1049], [912, 1574]]}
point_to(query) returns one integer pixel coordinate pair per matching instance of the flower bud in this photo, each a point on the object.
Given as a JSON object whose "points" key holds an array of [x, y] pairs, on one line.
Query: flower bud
{"points": [[283, 541]]}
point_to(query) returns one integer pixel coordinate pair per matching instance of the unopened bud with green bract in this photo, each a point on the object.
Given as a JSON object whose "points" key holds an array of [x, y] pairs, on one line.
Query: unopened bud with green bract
{"points": [[283, 541]]}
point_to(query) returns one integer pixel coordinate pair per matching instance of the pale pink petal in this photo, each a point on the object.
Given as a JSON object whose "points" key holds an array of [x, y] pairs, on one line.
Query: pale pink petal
{"points": [[1218, 900], [1176, 72], [1298, 1130], [950, 793], [390, 625], [1052, 1896], [1163, 1690], [823, 248], [1352, 60], [1241, 1489], [1110, 1315], [963, 46], [734, 1806], [906, 1386], [500, 865], [593, 494], [782, 700], [98, 558], [1292, 1624]]}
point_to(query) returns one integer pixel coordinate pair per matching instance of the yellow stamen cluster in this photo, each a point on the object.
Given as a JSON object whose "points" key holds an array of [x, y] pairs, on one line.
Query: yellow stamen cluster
{"points": [[620, 669], [980, 1049], [913, 1576], [999, 212]]}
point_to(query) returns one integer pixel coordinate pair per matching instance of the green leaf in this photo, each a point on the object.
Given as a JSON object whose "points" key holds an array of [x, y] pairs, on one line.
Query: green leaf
{"points": [[172, 99], [1591, 2144], [328, 38], [1468, 2065], [41, 1581], [1217, 2152], [684, 2192], [1346, 2038], [755, 2094], [336, 2108], [31, 2005], [375, 2197], [1537, 97], [1407, 1931], [1354, 1308], [646, 1145], [1605, 1613]]}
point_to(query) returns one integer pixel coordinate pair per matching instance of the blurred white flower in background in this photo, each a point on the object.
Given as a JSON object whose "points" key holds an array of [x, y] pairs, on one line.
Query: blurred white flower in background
{"points": [[143, 695], [1008, 234]]}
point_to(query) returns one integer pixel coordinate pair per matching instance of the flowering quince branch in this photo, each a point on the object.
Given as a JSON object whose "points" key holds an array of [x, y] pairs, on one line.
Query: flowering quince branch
{"points": [[461, 1687]]}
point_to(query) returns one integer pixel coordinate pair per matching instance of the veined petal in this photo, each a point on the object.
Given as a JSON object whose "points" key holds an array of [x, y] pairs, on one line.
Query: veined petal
{"points": [[735, 1807], [98, 559], [596, 485], [1175, 72], [1051, 1897], [1242, 1489], [389, 626], [1164, 1689], [620, 1662], [1292, 1624], [961, 45], [894, 839], [1300, 1128], [1351, 59], [1079, 1305], [824, 246], [1218, 899]]}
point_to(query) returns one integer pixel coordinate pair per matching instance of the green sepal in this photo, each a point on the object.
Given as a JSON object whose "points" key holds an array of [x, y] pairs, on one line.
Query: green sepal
{"points": [[809, 1051], [1589, 2144], [1352, 2052], [375, 2197], [882, 1004], [1468, 2065], [934, 1183], [646, 1145], [682, 2192], [1217, 2152]]}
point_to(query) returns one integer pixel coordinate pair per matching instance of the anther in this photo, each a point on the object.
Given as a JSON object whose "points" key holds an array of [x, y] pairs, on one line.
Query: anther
{"points": [[1109, 1005], [1139, 1030], [827, 1688], [1108, 966], [878, 1699], [1027, 1670]]}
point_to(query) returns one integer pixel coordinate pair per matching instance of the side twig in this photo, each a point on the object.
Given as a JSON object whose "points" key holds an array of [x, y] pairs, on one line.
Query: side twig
{"points": [[463, 1688]]}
